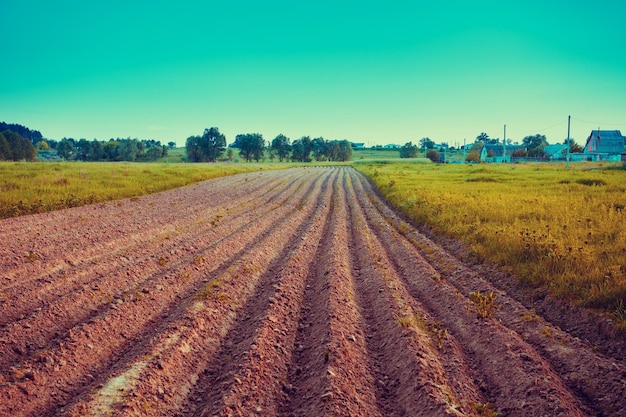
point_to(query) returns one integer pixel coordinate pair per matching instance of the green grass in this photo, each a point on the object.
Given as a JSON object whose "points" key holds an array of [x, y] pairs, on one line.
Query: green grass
{"points": [[562, 229]]}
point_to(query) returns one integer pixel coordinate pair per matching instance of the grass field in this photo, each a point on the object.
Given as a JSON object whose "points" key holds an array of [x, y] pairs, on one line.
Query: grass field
{"points": [[563, 229]]}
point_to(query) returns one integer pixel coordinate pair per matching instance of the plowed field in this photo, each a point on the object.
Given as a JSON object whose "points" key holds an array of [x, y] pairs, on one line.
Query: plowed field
{"points": [[284, 293]]}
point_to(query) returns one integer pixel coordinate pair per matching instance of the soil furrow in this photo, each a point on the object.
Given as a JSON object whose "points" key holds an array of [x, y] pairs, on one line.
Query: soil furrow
{"points": [[250, 370], [331, 372], [51, 224], [502, 355], [107, 246], [283, 293], [132, 281], [170, 242], [182, 348], [421, 369], [111, 334], [599, 381]]}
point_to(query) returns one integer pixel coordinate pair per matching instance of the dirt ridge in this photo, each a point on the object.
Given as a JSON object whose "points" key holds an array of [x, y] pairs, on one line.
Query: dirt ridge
{"points": [[284, 293]]}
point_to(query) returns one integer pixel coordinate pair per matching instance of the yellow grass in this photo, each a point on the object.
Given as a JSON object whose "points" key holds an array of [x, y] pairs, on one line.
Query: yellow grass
{"points": [[563, 229], [27, 187]]}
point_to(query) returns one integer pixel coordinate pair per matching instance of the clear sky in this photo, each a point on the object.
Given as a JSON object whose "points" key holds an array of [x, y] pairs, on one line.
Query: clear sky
{"points": [[373, 72]]}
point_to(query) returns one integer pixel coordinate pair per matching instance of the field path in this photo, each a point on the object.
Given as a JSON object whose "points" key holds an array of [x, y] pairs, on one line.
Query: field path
{"points": [[284, 293]]}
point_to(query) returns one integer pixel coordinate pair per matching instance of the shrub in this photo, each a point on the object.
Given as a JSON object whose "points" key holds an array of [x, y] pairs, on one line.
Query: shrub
{"points": [[433, 155]]}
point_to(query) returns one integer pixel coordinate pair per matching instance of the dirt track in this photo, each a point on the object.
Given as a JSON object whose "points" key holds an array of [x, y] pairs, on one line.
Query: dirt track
{"points": [[286, 293]]}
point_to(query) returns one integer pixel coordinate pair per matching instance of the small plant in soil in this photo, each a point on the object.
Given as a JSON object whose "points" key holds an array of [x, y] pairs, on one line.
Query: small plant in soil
{"points": [[485, 410], [406, 321], [32, 257], [485, 303], [438, 333]]}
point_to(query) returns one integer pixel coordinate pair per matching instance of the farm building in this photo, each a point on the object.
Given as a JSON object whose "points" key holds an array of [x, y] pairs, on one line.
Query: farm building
{"points": [[605, 145]]}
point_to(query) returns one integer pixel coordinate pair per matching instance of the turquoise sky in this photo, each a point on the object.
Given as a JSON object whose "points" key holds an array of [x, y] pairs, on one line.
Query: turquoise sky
{"points": [[373, 72]]}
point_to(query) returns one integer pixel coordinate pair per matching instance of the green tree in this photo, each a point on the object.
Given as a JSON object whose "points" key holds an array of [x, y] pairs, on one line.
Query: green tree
{"points": [[130, 149], [213, 144], [171, 145], [573, 146], [301, 149], [154, 152], [42, 146], [320, 149], [535, 144], [427, 143], [83, 150], [65, 148], [250, 145], [97, 150], [111, 150], [483, 137], [194, 148], [21, 149], [408, 150], [345, 151], [5, 149], [281, 145]]}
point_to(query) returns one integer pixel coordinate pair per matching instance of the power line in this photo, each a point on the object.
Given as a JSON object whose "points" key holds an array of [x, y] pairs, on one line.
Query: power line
{"points": [[562, 122], [598, 123]]}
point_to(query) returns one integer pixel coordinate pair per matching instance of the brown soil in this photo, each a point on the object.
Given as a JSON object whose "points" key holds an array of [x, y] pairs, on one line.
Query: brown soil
{"points": [[285, 293]]}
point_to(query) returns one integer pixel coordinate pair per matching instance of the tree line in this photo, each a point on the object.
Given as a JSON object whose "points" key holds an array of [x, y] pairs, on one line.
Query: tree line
{"points": [[130, 150], [211, 146]]}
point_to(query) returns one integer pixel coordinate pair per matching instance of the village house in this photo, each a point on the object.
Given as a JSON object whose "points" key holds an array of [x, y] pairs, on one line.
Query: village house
{"points": [[497, 153], [557, 152], [356, 145], [605, 145]]}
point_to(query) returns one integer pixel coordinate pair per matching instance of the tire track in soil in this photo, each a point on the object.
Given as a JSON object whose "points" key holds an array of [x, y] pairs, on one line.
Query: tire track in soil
{"points": [[88, 301], [82, 344], [181, 349], [597, 380]]}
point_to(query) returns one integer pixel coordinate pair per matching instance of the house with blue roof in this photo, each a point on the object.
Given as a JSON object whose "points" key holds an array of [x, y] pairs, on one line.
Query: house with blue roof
{"points": [[498, 152], [555, 152], [605, 145]]}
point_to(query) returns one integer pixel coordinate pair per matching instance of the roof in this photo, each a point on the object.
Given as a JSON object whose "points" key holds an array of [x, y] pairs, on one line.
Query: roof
{"points": [[555, 150], [498, 150], [605, 141]]}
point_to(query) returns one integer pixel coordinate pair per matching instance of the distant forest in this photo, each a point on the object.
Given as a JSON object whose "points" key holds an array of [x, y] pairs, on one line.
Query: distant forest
{"points": [[212, 145], [19, 143]]}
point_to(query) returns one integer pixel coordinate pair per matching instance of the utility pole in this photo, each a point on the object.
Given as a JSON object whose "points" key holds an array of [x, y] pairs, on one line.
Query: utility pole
{"points": [[568, 143], [464, 150], [504, 144]]}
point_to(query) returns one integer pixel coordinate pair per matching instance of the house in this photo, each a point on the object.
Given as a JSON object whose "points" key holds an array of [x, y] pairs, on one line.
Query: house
{"points": [[604, 145], [555, 152], [498, 153]]}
